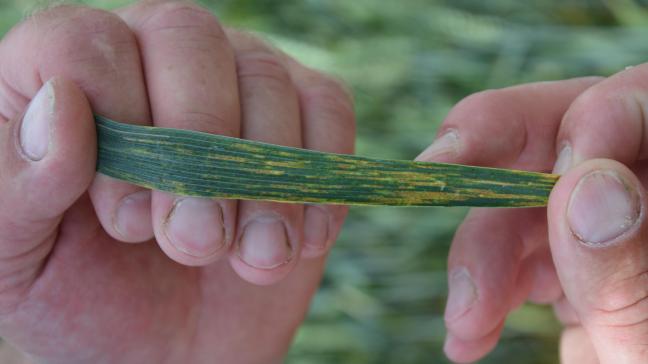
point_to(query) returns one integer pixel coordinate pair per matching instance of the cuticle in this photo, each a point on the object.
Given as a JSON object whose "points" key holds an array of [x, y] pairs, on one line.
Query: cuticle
{"points": [[115, 213], [454, 131], [165, 225], [16, 137], [635, 194], [329, 225], [562, 145], [464, 270], [224, 232], [457, 144], [169, 215], [167, 219], [285, 226]]}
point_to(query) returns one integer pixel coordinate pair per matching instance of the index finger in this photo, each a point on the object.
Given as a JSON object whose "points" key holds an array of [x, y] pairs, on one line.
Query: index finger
{"points": [[513, 127], [96, 50], [185, 46]]}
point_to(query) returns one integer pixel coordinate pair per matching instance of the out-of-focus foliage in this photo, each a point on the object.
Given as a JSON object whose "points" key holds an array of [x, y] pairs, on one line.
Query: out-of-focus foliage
{"points": [[408, 62]]}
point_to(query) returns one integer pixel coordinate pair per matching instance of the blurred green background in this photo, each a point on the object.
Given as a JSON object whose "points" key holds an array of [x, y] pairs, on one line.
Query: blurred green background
{"points": [[408, 62]]}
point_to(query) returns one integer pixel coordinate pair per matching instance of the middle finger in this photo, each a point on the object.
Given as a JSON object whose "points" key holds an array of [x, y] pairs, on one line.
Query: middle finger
{"points": [[191, 80], [269, 234]]}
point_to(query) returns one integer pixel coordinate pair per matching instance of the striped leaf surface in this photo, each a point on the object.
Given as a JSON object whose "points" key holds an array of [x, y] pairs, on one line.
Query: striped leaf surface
{"points": [[199, 164]]}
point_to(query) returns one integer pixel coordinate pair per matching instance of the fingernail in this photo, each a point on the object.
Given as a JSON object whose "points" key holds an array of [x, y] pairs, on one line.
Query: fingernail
{"points": [[132, 218], [602, 207], [446, 144], [462, 294], [316, 228], [195, 226], [564, 160], [264, 243], [35, 128]]}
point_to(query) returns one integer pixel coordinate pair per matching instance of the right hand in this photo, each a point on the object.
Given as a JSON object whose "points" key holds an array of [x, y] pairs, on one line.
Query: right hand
{"points": [[71, 290], [587, 254]]}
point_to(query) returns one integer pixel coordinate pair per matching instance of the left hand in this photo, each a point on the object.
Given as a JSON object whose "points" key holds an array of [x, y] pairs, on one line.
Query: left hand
{"points": [[588, 253], [206, 280]]}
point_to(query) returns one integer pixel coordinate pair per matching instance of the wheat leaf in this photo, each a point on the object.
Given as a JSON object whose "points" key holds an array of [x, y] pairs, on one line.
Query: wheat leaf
{"points": [[198, 164]]}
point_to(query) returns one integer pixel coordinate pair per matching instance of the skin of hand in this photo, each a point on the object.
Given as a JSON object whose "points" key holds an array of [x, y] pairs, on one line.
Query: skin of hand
{"points": [[95, 270], [587, 253]]}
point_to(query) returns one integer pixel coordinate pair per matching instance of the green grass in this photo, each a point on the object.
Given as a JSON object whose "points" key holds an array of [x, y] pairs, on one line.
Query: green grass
{"points": [[408, 62]]}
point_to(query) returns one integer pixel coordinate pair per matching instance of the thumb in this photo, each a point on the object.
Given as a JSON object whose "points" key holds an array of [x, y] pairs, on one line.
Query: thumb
{"points": [[599, 241], [47, 161]]}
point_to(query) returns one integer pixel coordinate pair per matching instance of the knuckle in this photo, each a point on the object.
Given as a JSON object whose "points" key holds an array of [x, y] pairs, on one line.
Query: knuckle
{"points": [[17, 276], [263, 68], [186, 17], [334, 87], [621, 103], [205, 121], [623, 302], [85, 35], [614, 100], [483, 102], [483, 120], [82, 23], [581, 105], [333, 96], [616, 110], [244, 40]]}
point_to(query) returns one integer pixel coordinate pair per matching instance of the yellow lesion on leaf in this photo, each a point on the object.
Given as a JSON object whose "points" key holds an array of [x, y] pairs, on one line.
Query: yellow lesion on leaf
{"points": [[286, 164], [247, 147]]}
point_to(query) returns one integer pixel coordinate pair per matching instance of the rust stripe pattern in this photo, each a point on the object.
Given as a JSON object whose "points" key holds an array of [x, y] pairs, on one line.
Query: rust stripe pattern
{"points": [[205, 165]]}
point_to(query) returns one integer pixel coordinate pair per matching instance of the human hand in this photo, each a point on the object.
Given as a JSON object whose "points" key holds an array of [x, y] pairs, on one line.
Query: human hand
{"points": [[587, 252], [71, 289]]}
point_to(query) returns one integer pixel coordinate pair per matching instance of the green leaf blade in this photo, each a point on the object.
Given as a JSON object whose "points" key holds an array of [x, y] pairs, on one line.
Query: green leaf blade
{"points": [[205, 165]]}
